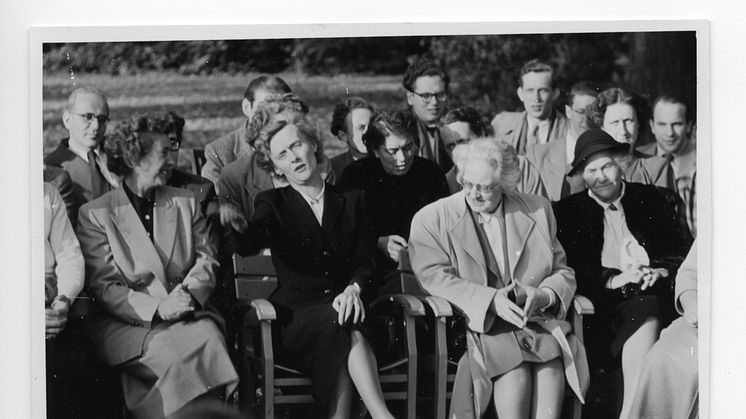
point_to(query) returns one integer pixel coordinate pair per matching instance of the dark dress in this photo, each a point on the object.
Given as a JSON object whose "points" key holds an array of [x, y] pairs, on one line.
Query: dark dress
{"points": [[653, 217], [394, 200], [314, 264]]}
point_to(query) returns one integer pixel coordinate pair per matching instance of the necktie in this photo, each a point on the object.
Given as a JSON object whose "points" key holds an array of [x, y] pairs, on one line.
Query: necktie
{"points": [[670, 175], [98, 183]]}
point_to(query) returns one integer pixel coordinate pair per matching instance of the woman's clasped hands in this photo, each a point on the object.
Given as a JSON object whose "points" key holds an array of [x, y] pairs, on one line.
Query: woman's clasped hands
{"points": [[176, 305], [530, 298]]}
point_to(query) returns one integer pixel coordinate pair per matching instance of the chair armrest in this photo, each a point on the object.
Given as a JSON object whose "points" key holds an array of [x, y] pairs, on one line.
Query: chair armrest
{"points": [[582, 305], [440, 306], [412, 305], [264, 309]]}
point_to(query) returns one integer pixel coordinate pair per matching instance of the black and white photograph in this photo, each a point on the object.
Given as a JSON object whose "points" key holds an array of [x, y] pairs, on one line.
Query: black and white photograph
{"points": [[471, 220]]}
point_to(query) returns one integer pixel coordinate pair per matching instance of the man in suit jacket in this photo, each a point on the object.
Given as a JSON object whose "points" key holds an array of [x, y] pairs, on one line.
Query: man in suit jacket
{"points": [[476, 246], [553, 158], [540, 122], [672, 125], [226, 149], [85, 117], [426, 84]]}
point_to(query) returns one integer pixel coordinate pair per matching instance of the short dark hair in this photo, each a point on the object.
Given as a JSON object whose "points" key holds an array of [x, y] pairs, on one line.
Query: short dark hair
{"points": [[583, 88], [673, 98], [272, 84], [341, 110], [467, 114], [131, 140], [613, 96], [386, 123], [535, 66], [423, 67]]}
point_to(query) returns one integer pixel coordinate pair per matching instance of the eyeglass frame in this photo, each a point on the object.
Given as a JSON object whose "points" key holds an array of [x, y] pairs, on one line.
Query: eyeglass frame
{"points": [[427, 96], [88, 117], [483, 189]]}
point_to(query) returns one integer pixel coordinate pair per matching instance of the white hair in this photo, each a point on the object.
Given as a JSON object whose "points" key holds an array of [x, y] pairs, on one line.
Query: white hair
{"points": [[498, 154]]}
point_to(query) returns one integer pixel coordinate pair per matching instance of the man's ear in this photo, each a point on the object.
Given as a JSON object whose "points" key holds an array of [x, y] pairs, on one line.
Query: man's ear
{"points": [[342, 136], [410, 98], [652, 126], [691, 128], [519, 92], [247, 108], [66, 120]]}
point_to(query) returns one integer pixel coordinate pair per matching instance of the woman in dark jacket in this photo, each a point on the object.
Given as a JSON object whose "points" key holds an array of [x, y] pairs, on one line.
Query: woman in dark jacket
{"points": [[322, 245], [397, 182], [625, 242]]}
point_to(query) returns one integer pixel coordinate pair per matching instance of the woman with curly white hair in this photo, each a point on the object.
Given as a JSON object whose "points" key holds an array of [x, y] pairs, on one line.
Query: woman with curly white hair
{"points": [[493, 254]]}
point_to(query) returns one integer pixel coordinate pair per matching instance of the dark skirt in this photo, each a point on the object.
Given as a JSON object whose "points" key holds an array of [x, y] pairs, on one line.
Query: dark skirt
{"points": [[312, 341]]}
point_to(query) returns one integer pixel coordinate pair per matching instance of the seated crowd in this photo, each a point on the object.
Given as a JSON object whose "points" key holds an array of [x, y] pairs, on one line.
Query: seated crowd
{"points": [[507, 221]]}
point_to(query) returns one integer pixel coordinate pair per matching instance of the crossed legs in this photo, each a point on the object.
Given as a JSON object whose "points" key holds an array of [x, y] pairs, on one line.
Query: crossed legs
{"points": [[362, 372], [530, 390]]}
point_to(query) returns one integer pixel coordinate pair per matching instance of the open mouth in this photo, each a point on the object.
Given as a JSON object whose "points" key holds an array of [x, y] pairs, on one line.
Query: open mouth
{"points": [[300, 168]]}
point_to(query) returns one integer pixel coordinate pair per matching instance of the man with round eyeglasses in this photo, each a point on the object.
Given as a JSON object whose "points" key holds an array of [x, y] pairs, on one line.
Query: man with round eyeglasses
{"points": [[426, 84], [85, 116]]}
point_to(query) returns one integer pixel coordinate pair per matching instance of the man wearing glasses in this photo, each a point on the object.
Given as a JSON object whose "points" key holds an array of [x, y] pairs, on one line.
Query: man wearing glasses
{"points": [[85, 117], [539, 123], [553, 159], [427, 91]]}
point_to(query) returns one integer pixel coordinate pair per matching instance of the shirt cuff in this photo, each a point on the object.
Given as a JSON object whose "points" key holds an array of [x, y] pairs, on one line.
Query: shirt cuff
{"points": [[552, 298]]}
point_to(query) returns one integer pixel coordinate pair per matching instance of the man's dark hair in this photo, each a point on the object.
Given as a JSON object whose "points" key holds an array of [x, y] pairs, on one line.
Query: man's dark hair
{"points": [[675, 99], [535, 66], [341, 110], [467, 114], [583, 88], [423, 67], [272, 84], [387, 123]]}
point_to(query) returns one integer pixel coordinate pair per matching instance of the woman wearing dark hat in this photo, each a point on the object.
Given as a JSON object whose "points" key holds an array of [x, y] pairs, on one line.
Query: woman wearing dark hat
{"points": [[625, 241]]}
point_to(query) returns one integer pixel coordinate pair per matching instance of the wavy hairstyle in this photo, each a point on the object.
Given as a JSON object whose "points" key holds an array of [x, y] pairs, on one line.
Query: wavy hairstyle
{"points": [[270, 118], [342, 109], [131, 140], [386, 123], [613, 96], [498, 154]]}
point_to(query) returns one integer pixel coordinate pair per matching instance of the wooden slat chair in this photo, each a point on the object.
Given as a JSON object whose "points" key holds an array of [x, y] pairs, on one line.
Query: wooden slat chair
{"points": [[265, 382], [198, 160], [443, 313]]}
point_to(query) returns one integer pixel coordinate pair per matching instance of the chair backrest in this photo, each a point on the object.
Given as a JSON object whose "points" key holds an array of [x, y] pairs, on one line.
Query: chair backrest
{"points": [[198, 160], [409, 282], [255, 276]]}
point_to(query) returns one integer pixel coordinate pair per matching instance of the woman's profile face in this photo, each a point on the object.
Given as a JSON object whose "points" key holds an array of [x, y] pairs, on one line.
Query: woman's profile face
{"points": [[153, 169], [620, 121], [293, 156]]}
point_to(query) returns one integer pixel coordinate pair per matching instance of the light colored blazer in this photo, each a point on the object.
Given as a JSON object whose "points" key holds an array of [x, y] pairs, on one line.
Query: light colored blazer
{"points": [[448, 259], [508, 127], [62, 256], [223, 151], [128, 274], [549, 160]]}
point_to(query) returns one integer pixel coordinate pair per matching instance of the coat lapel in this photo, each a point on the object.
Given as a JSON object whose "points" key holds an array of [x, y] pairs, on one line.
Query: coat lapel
{"points": [[333, 205], [164, 223], [464, 233], [143, 251], [518, 226]]}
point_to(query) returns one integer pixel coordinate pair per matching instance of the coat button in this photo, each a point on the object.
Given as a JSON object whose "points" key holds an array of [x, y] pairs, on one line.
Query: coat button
{"points": [[326, 273], [326, 253], [327, 292]]}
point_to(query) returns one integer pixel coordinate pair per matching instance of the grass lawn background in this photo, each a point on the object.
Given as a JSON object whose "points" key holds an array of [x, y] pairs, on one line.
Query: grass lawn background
{"points": [[211, 104]]}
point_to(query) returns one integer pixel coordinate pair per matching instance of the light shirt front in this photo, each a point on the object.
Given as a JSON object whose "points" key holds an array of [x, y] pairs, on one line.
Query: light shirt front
{"points": [[684, 165], [101, 159], [620, 246], [538, 130], [316, 204]]}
